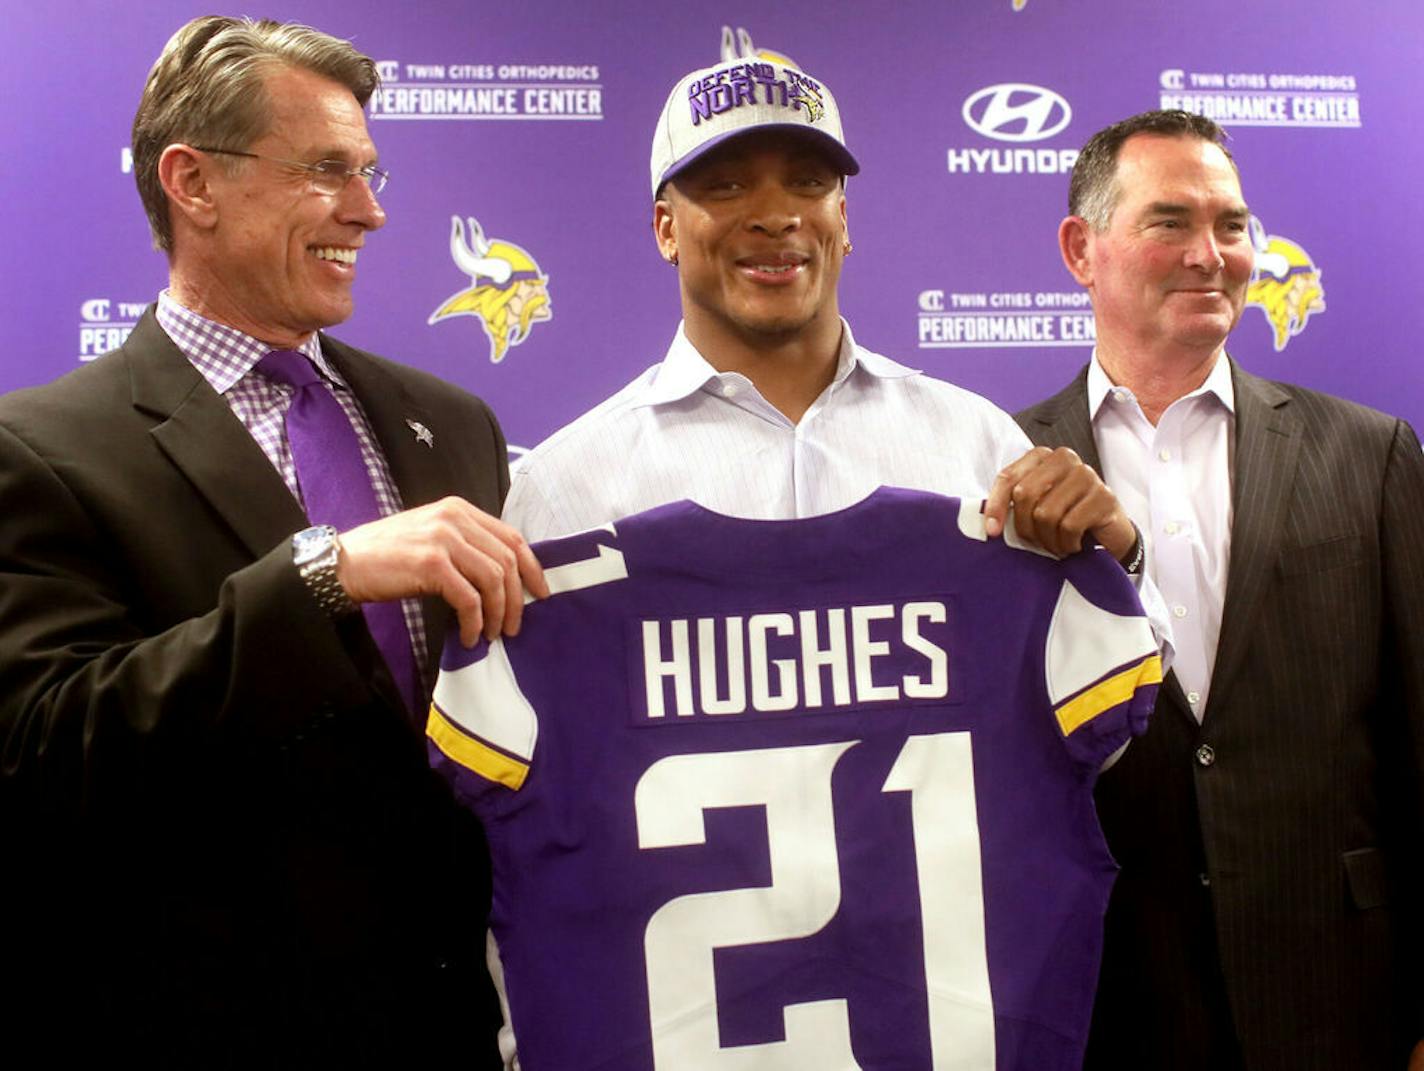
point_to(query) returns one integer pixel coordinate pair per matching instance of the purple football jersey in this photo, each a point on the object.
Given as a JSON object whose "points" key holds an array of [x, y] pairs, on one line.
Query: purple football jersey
{"points": [[810, 794]]}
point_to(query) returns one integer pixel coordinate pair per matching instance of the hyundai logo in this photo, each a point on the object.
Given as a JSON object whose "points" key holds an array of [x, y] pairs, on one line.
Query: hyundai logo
{"points": [[1017, 111]]}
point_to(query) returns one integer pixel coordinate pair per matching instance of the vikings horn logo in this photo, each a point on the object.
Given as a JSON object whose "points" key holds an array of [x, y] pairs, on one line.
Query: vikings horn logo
{"points": [[507, 290], [1285, 284], [811, 102], [740, 47]]}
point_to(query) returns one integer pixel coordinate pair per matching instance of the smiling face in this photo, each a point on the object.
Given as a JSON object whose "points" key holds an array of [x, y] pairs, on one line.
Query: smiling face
{"points": [[1168, 276], [758, 231], [279, 259]]}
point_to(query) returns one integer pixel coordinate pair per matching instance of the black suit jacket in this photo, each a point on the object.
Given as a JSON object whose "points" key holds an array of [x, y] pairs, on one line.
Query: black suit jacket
{"points": [[1270, 884], [224, 847]]}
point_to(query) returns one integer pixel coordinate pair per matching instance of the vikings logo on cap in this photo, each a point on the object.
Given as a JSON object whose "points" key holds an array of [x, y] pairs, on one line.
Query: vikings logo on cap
{"points": [[1285, 284], [507, 290], [749, 90]]}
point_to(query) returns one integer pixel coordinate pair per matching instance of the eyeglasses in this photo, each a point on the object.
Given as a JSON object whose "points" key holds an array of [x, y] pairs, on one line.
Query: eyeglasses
{"points": [[327, 176]]}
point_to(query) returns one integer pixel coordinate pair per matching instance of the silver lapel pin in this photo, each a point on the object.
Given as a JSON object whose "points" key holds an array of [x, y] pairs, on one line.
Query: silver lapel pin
{"points": [[422, 433]]}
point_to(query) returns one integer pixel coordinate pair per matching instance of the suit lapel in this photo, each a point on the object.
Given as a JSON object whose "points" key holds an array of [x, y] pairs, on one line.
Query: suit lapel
{"points": [[202, 437], [1064, 421], [420, 469], [1268, 436]]}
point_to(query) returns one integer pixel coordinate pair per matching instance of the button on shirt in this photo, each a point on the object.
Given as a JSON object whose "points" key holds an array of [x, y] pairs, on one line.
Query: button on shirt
{"points": [[1174, 480], [226, 357]]}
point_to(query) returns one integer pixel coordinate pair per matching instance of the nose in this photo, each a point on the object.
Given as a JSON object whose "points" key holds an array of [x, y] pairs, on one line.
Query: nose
{"points": [[357, 203], [773, 210], [1204, 254]]}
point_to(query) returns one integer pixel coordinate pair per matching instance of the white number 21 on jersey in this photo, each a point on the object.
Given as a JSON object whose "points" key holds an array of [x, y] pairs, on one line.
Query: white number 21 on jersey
{"points": [[794, 784]]}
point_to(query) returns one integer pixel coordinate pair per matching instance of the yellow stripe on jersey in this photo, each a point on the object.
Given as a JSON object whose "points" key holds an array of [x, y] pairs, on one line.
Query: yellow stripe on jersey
{"points": [[473, 755], [1116, 689]]}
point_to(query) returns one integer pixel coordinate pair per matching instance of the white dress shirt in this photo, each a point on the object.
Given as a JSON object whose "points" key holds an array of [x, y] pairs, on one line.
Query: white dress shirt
{"points": [[684, 430], [1174, 480]]}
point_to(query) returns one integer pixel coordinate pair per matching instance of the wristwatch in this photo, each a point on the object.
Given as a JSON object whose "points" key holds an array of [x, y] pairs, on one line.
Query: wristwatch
{"points": [[316, 552]]}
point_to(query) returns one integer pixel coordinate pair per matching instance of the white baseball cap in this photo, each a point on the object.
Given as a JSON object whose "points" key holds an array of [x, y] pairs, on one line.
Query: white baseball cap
{"points": [[715, 104]]}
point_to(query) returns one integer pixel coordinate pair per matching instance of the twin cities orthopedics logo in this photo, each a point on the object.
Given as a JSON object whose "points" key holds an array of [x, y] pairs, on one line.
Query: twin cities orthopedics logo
{"points": [[1285, 285], [105, 324], [1255, 99], [487, 91], [1006, 319], [1017, 113], [508, 293]]}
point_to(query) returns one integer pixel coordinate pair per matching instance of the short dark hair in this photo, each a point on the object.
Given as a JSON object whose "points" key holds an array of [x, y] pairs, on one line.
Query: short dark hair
{"points": [[1093, 191], [207, 89]]}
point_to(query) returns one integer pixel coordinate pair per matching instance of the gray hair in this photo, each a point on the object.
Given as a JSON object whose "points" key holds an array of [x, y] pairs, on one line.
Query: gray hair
{"points": [[208, 88], [1093, 191]]}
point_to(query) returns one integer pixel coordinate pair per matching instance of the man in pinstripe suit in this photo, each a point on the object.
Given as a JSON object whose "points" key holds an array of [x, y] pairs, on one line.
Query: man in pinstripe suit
{"points": [[1270, 826]]}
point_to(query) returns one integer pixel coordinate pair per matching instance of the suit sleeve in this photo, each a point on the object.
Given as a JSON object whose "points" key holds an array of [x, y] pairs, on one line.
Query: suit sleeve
{"points": [[90, 700], [1402, 566]]}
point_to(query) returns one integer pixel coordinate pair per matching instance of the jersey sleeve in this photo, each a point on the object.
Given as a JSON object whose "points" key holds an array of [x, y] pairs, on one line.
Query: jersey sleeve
{"points": [[1102, 671], [481, 725]]}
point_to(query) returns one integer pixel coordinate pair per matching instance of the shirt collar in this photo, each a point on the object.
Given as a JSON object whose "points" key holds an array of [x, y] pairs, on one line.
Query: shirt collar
{"points": [[685, 371], [221, 353], [1218, 382]]}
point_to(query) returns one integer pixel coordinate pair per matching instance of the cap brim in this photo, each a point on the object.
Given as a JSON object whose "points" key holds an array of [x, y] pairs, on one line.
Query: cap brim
{"points": [[839, 155]]}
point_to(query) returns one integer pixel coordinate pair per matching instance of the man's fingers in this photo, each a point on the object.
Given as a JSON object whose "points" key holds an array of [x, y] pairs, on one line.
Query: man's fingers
{"points": [[484, 569], [465, 600], [513, 602], [530, 571]]}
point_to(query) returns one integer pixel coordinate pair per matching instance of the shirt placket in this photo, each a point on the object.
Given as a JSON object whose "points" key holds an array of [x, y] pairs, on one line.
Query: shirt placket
{"points": [[1175, 551]]}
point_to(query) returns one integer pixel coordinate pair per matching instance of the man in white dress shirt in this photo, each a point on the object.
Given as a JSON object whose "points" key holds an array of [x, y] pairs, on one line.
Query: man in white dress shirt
{"points": [[765, 406], [1270, 825]]}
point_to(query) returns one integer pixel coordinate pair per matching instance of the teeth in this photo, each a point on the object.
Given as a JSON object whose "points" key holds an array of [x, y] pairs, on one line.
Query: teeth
{"points": [[331, 252], [776, 269]]}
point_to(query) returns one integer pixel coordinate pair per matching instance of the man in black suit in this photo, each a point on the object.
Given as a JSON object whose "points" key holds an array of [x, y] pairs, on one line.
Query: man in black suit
{"points": [[223, 846], [1270, 826]]}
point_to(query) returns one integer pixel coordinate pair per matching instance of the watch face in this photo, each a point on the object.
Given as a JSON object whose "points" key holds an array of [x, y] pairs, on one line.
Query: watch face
{"points": [[311, 543]]}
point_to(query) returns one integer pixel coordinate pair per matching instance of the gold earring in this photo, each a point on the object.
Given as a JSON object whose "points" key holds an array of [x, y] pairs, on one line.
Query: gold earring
{"points": [[848, 247], [672, 258]]}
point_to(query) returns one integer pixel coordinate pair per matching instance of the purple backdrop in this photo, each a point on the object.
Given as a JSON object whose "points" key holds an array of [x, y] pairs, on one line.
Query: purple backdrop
{"points": [[535, 119]]}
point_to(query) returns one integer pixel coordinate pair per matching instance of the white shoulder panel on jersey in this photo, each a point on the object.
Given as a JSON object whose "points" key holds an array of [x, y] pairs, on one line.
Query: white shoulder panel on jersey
{"points": [[971, 526], [607, 567], [971, 519], [1085, 642], [485, 700]]}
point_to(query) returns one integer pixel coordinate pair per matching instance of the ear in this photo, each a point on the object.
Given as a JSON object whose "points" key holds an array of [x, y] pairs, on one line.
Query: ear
{"points": [[186, 176], [665, 229], [845, 226], [1075, 243]]}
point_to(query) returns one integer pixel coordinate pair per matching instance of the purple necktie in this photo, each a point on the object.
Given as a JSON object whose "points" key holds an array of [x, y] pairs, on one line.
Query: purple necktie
{"points": [[336, 489]]}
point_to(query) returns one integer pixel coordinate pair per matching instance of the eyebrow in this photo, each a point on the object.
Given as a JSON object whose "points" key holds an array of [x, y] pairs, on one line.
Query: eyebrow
{"points": [[1171, 208], [341, 155]]}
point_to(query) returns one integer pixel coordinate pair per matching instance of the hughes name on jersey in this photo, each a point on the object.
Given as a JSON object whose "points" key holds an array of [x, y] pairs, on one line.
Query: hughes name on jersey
{"points": [[800, 794]]}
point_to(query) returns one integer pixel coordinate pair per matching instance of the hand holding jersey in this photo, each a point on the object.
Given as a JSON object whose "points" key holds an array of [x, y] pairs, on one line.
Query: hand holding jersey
{"points": [[478, 564], [1059, 502]]}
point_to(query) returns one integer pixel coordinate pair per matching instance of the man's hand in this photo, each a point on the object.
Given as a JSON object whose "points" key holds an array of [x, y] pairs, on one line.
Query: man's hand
{"points": [[473, 561], [1057, 499]]}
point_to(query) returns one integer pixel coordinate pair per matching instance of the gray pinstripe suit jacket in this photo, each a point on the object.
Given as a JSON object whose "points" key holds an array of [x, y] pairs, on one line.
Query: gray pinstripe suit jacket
{"points": [[1271, 856]]}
